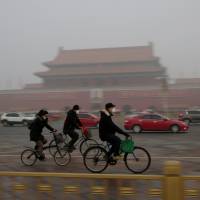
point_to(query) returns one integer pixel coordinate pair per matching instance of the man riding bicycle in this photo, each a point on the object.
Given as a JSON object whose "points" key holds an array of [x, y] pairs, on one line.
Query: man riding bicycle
{"points": [[107, 130], [36, 128], [71, 123]]}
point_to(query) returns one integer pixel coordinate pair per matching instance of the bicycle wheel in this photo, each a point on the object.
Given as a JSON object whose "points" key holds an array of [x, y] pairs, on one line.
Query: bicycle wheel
{"points": [[28, 157], [52, 147], [85, 144], [138, 161], [62, 157], [95, 159]]}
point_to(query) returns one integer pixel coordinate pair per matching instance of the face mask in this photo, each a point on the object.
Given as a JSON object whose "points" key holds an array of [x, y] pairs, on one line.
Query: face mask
{"points": [[44, 117], [77, 111], [114, 110]]}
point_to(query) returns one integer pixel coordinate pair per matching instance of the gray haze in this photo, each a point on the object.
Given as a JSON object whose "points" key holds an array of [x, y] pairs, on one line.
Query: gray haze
{"points": [[32, 30]]}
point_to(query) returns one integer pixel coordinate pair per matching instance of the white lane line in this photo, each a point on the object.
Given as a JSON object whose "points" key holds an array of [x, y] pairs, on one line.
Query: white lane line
{"points": [[79, 156]]}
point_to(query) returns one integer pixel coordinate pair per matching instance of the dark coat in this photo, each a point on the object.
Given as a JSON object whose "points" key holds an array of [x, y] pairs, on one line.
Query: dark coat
{"points": [[107, 127], [37, 126], [72, 122]]}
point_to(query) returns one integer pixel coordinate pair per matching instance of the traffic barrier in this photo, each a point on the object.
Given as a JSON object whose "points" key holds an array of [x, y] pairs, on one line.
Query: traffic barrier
{"points": [[44, 185]]}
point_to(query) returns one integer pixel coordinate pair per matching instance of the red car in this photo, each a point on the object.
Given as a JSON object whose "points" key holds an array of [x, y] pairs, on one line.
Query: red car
{"points": [[89, 120], [153, 122]]}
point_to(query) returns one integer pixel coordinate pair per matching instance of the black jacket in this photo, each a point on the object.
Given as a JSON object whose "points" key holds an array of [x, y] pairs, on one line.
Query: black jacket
{"points": [[107, 127], [72, 122], [37, 126]]}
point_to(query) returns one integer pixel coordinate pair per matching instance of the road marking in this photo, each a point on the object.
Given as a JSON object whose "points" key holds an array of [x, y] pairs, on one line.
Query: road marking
{"points": [[79, 156]]}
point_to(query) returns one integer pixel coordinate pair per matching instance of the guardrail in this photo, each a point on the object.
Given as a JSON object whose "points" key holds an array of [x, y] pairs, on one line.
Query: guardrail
{"points": [[33, 185]]}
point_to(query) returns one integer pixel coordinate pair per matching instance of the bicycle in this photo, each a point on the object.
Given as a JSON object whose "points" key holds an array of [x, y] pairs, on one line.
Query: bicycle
{"points": [[84, 142], [137, 159], [62, 158]]}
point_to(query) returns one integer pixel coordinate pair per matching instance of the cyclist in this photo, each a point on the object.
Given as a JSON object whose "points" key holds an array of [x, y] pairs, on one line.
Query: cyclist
{"points": [[71, 123], [36, 128], [107, 130]]}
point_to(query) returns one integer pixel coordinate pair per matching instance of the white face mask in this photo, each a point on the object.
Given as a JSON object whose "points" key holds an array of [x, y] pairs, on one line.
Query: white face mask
{"points": [[114, 110], [44, 117], [77, 111]]}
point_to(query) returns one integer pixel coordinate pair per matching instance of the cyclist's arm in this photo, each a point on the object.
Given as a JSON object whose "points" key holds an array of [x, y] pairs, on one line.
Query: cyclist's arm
{"points": [[117, 129], [48, 126]]}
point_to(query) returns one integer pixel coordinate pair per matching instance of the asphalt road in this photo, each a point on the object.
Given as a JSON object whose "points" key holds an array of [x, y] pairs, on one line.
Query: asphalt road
{"points": [[183, 147]]}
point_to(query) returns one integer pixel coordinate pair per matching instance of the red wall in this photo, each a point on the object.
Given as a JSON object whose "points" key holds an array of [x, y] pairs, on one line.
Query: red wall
{"points": [[58, 100]]}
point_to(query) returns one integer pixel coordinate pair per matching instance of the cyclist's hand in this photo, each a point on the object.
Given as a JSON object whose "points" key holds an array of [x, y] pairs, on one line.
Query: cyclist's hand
{"points": [[55, 130], [127, 136]]}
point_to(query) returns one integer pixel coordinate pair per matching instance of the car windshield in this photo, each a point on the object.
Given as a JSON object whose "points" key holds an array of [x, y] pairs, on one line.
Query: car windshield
{"points": [[164, 117], [29, 114]]}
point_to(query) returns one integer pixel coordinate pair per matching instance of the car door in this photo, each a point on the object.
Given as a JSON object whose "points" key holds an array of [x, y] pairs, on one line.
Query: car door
{"points": [[84, 118], [160, 123], [14, 117], [147, 122]]}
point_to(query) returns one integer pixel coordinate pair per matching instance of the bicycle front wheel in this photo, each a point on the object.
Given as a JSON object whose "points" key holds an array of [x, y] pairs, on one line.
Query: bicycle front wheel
{"points": [[62, 157], [85, 144], [138, 161], [95, 159], [28, 157]]}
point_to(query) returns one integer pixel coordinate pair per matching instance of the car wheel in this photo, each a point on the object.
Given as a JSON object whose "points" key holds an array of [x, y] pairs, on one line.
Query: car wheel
{"points": [[25, 123], [5, 123], [187, 121], [137, 129], [175, 128]]}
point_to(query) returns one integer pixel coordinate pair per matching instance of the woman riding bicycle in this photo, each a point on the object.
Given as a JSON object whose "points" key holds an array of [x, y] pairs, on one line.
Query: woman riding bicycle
{"points": [[107, 130], [36, 128]]}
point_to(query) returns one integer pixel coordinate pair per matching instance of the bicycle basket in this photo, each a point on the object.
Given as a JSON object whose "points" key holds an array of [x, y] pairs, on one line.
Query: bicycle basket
{"points": [[59, 138], [127, 146]]}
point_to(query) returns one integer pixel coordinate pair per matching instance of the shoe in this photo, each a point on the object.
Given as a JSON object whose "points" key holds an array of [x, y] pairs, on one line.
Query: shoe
{"points": [[118, 157], [112, 161], [42, 158], [73, 147]]}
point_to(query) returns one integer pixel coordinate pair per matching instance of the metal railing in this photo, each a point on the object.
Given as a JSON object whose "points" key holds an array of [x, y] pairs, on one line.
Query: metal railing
{"points": [[33, 185]]}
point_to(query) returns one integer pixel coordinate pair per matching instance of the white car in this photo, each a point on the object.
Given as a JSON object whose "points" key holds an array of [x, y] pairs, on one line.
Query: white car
{"points": [[12, 118]]}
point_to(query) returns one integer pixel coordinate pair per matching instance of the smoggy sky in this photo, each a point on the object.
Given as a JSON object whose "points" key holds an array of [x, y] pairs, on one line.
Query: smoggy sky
{"points": [[32, 30]]}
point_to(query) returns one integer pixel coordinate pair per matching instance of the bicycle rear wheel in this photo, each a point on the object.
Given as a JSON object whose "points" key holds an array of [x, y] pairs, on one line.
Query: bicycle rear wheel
{"points": [[85, 144], [62, 157], [28, 157], [95, 159], [138, 161]]}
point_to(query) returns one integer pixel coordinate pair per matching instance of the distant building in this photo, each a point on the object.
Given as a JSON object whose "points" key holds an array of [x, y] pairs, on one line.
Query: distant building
{"points": [[106, 68], [130, 76]]}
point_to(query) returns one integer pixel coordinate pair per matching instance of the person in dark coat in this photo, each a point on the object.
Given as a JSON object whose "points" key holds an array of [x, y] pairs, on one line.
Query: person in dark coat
{"points": [[71, 123], [36, 129], [107, 130]]}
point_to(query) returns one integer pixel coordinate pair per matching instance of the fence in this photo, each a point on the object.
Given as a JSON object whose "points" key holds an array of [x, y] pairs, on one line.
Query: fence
{"points": [[33, 185]]}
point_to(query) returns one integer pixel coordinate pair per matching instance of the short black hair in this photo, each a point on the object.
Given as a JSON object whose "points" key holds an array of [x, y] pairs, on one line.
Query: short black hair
{"points": [[76, 107], [42, 112], [109, 105]]}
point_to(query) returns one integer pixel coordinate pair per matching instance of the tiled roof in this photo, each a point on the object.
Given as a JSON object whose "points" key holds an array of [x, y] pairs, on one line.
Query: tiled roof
{"points": [[103, 55], [99, 70]]}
